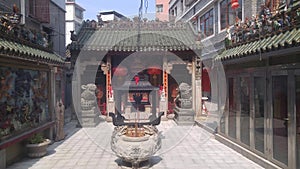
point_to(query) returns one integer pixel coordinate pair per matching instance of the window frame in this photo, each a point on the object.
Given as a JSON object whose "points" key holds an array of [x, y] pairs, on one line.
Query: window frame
{"points": [[211, 15], [241, 10], [159, 8], [78, 13], [31, 8]]}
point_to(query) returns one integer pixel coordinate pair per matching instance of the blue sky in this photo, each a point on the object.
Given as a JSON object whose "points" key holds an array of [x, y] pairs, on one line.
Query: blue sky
{"points": [[128, 8]]}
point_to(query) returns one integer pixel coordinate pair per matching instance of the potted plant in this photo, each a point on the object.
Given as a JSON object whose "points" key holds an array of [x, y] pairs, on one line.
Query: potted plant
{"points": [[37, 145]]}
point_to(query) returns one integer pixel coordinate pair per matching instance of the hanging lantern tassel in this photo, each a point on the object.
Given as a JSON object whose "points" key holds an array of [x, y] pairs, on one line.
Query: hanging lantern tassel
{"points": [[234, 4]]}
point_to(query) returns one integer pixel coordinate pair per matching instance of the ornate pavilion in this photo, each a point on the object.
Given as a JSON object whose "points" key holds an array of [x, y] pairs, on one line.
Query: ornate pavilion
{"points": [[165, 54]]}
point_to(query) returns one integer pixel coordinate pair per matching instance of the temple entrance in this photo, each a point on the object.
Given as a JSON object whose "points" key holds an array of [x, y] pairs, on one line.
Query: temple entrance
{"points": [[138, 98], [172, 94], [100, 82], [178, 75]]}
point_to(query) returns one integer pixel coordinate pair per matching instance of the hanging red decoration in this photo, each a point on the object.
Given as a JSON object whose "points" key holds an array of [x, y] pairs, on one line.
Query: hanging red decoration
{"points": [[136, 79], [234, 4], [154, 70], [120, 71]]}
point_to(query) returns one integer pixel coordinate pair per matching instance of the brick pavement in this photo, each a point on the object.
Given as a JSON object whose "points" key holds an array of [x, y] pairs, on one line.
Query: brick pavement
{"points": [[183, 147]]}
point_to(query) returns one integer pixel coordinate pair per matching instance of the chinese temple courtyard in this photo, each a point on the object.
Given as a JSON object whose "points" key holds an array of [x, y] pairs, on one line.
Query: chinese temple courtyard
{"points": [[182, 147]]}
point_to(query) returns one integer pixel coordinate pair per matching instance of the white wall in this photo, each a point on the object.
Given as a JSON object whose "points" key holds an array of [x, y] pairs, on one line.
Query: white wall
{"points": [[69, 27], [107, 17], [70, 12], [71, 21]]}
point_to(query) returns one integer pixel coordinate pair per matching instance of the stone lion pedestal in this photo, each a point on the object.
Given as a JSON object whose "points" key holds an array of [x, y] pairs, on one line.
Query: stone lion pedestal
{"points": [[184, 114], [88, 117]]}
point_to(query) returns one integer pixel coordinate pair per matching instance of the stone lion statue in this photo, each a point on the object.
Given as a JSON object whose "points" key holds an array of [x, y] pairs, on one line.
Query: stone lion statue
{"points": [[184, 97], [88, 97]]}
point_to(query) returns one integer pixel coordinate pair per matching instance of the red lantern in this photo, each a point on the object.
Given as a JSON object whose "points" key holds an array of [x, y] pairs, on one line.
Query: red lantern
{"points": [[120, 71], [154, 70], [234, 4]]}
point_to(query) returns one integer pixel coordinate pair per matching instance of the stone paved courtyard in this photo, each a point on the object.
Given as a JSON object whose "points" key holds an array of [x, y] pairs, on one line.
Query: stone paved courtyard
{"points": [[183, 147]]}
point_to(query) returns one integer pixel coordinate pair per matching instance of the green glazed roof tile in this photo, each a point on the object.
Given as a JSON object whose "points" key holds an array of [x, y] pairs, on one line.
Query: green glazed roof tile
{"points": [[263, 43], [269, 46], [293, 35], [274, 41], [267, 43], [126, 39], [297, 37], [239, 50], [285, 37], [252, 46], [30, 51], [277, 40], [256, 46]]}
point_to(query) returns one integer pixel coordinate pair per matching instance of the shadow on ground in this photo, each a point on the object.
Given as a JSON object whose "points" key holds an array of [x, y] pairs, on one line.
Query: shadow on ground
{"points": [[143, 165]]}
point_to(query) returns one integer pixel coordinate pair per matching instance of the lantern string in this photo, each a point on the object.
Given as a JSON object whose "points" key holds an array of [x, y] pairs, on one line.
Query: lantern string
{"points": [[139, 25], [146, 5]]}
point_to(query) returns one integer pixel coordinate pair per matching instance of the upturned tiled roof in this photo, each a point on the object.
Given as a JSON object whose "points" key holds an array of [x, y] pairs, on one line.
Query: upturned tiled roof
{"points": [[141, 86], [285, 39], [16, 49], [122, 36]]}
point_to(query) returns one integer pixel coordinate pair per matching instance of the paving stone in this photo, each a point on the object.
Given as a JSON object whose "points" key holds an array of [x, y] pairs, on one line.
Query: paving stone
{"points": [[182, 147]]}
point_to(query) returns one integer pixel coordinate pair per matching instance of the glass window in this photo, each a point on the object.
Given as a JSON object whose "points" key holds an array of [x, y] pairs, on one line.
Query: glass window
{"points": [[280, 121], [159, 8], [298, 119], [207, 23], [232, 107], [228, 15], [78, 13], [259, 113], [32, 7], [245, 110]]}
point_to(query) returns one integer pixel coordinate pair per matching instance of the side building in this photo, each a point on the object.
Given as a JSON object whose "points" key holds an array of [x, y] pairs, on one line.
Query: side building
{"points": [[257, 43], [74, 18], [162, 7], [31, 71], [109, 16], [261, 64]]}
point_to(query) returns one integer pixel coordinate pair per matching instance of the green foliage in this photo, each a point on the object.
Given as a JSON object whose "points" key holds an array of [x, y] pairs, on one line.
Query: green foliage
{"points": [[36, 138]]}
